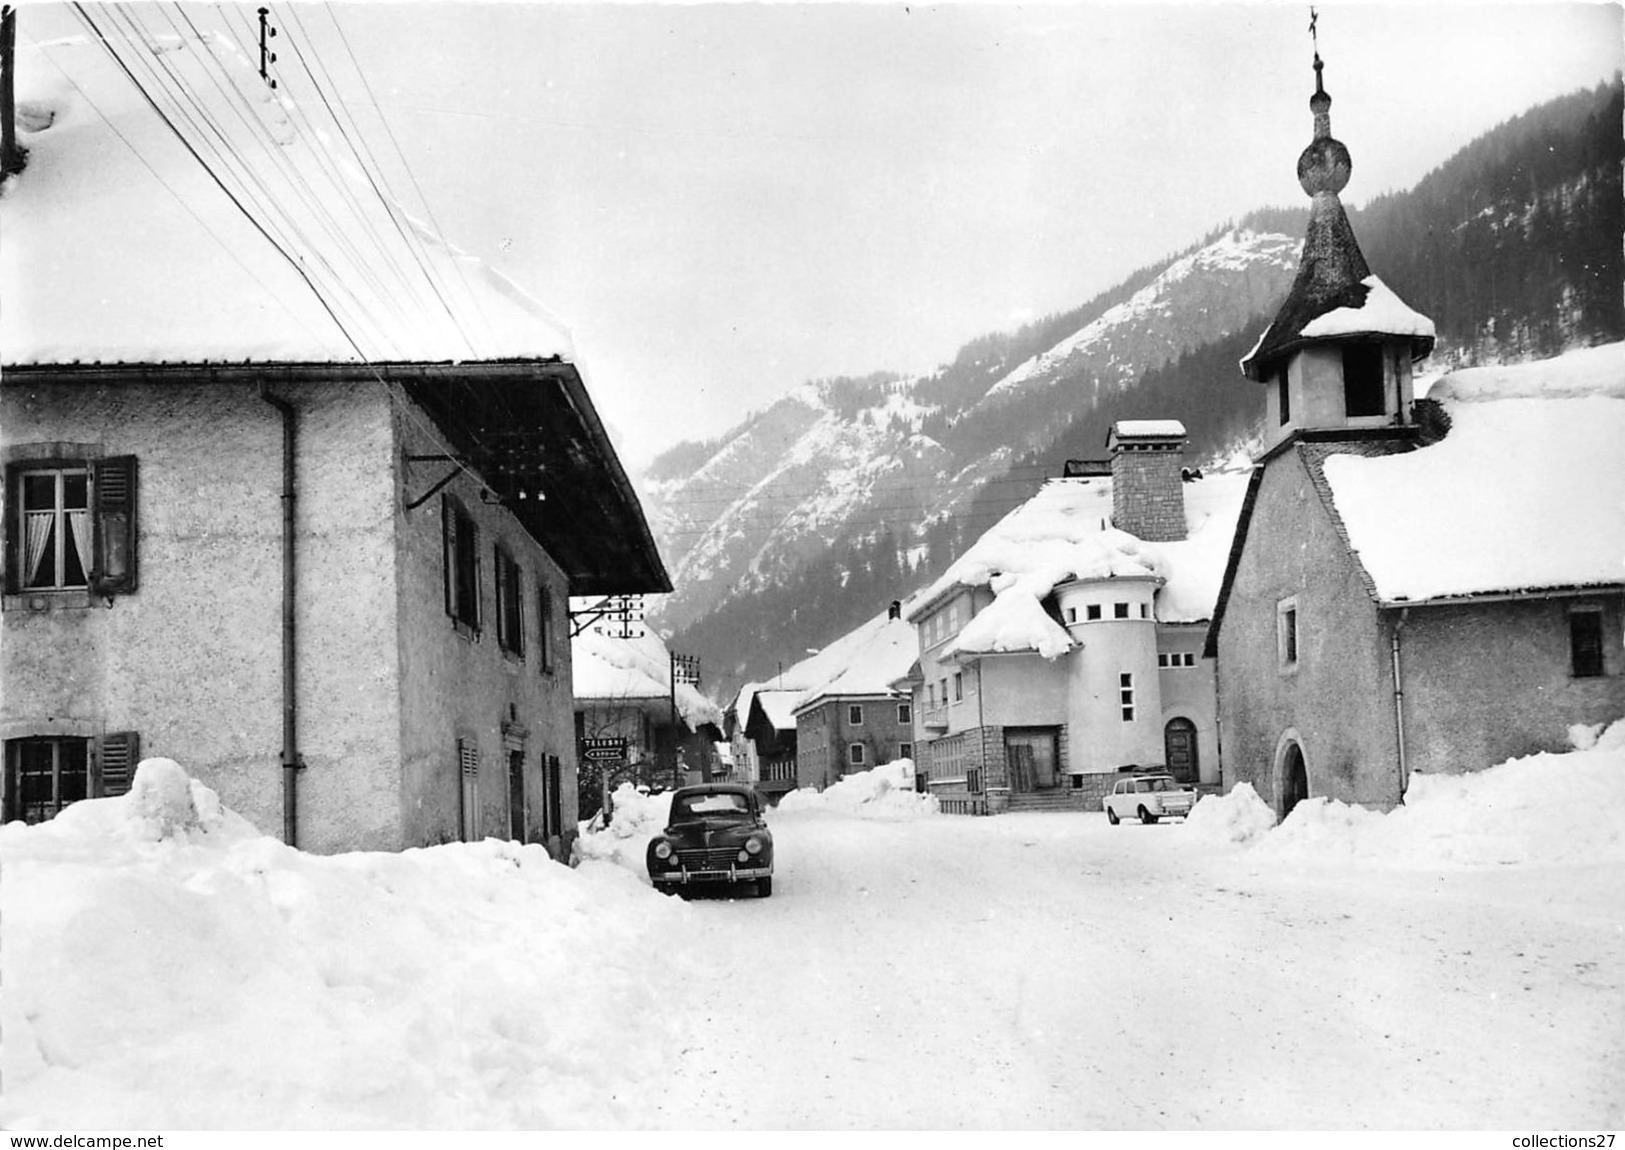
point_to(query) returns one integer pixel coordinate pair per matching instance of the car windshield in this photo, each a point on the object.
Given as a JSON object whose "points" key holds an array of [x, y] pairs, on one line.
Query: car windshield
{"points": [[710, 806]]}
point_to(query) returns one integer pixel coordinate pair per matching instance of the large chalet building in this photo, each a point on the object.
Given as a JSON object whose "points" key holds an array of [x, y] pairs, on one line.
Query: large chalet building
{"points": [[1065, 645]]}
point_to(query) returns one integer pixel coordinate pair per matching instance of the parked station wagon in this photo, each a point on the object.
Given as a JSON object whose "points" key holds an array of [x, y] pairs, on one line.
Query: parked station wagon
{"points": [[715, 834], [1148, 798]]}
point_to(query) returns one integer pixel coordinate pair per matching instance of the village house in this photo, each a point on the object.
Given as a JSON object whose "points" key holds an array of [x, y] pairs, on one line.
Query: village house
{"points": [[830, 714], [313, 538], [853, 719], [640, 722], [1415, 586], [1064, 645], [761, 729]]}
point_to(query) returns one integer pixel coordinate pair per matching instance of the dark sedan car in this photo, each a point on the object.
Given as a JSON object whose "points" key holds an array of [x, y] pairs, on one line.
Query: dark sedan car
{"points": [[715, 835]]}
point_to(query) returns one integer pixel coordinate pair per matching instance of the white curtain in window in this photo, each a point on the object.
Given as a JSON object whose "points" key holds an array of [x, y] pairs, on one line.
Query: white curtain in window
{"points": [[79, 524], [39, 535]]}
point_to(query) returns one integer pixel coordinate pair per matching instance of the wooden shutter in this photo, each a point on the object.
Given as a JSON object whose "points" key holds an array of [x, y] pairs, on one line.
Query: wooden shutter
{"points": [[555, 811], [120, 753], [448, 520], [113, 570]]}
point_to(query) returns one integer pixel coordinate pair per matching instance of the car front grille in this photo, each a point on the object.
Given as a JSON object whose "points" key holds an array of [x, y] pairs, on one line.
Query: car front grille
{"points": [[710, 858]]}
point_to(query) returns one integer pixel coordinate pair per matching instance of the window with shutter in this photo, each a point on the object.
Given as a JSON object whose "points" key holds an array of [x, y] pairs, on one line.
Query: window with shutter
{"points": [[119, 755], [71, 525]]}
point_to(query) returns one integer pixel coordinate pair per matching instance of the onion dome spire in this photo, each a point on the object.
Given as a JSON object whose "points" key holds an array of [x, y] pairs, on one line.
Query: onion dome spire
{"points": [[1324, 165]]}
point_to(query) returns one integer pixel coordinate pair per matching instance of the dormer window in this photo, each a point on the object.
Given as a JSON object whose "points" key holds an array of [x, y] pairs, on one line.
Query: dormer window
{"points": [[1283, 396], [1362, 380]]}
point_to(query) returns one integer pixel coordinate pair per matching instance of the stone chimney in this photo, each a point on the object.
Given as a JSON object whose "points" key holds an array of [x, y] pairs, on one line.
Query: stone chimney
{"points": [[1148, 492]]}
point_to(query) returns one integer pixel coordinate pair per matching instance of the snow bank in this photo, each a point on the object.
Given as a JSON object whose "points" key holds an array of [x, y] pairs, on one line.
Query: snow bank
{"points": [[1543, 809], [635, 819], [885, 792], [1237, 818], [165, 966]]}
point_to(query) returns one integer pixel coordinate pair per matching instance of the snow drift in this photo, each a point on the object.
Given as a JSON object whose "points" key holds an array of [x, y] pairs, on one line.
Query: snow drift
{"points": [[167, 966], [884, 792], [1542, 809]]}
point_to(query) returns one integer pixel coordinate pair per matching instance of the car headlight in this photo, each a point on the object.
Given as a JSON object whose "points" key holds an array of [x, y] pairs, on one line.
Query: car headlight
{"points": [[662, 850], [754, 846]]}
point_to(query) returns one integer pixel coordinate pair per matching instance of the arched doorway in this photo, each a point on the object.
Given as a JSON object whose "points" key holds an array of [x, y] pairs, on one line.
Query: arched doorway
{"points": [[1294, 779], [1179, 750]]}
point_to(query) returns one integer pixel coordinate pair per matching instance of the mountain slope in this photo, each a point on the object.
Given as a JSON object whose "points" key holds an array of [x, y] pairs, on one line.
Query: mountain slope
{"points": [[864, 488]]}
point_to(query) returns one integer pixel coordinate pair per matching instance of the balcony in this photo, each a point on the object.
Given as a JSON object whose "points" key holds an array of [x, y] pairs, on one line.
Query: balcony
{"points": [[935, 718], [778, 774]]}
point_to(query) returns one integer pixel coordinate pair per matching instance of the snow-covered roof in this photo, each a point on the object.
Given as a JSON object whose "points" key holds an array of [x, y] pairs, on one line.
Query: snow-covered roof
{"points": [[120, 247], [609, 668], [1149, 428], [864, 661], [780, 707], [1064, 533], [1526, 492], [1382, 313]]}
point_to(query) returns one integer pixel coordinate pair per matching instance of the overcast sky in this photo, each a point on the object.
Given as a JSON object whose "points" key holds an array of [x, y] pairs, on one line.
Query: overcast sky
{"points": [[724, 201]]}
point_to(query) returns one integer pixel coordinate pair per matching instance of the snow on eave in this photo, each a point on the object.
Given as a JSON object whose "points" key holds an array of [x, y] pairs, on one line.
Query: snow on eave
{"points": [[1508, 595], [1382, 313]]}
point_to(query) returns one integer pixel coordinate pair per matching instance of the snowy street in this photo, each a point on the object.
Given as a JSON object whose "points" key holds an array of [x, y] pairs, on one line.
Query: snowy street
{"points": [[1051, 971], [1458, 963]]}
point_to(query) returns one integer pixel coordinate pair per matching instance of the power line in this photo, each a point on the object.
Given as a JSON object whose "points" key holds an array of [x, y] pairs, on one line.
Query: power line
{"points": [[434, 287], [265, 200], [428, 206], [179, 199], [249, 216], [260, 132]]}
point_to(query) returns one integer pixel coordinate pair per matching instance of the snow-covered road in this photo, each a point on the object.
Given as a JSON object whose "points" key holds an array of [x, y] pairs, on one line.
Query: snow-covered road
{"points": [[1051, 971], [1458, 963]]}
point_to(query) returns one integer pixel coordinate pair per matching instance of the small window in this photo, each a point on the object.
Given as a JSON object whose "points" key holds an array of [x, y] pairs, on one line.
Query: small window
{"points": [[942, 686], [1286, 628], [973, 780], [462, 564], [1145, 610], [1362, 379], [71, 526], [1162, 660], [959, 687], [1585, 644], [855, 753], [905, 713], [1125, 696], [930, 694], [1071, 614], [1283, 395], [1119, 610], [905, 750], [1190, 658], [1092, 611], [854, 715], [510, 615]]}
